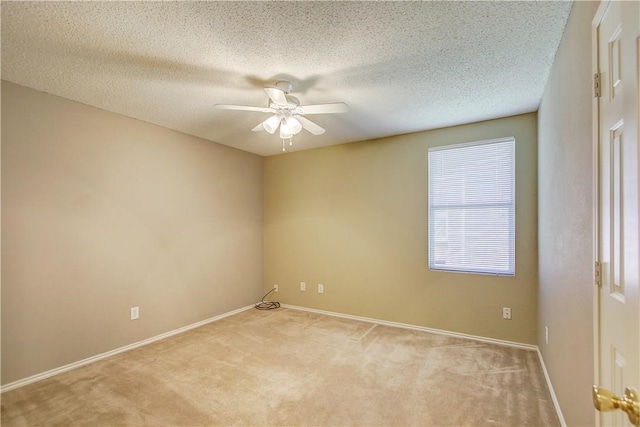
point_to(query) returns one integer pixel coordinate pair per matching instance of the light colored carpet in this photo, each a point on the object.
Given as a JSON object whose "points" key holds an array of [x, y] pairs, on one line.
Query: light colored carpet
{"points": [[294, 368]]}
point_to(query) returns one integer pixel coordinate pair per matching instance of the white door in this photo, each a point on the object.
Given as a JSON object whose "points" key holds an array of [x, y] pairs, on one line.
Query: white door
{"points": [[617, 53]]}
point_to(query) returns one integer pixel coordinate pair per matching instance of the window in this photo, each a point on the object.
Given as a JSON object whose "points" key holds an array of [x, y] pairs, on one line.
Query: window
{"points": [[472, 207]]}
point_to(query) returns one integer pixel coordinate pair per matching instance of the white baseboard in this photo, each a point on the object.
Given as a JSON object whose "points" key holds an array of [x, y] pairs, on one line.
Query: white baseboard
{"points": [[71, 366], [417, 328], [556, 404]]}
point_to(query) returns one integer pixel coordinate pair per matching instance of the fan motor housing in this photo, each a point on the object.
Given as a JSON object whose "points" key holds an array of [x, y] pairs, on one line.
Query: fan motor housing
{"points": [[292, 104]]}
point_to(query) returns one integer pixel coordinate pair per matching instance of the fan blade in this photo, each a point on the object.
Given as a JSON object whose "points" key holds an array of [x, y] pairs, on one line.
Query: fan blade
{"points": [[276, 95], [258, 128], [245, 108], [335, 107], [309, 125]]}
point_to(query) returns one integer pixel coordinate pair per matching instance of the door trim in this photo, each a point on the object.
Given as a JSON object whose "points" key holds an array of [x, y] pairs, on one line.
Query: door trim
{"points": [[595, 118]]}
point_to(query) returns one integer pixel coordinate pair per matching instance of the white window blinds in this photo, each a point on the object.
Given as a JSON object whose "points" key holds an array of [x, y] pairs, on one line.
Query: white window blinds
{"points": [[472, 207]]}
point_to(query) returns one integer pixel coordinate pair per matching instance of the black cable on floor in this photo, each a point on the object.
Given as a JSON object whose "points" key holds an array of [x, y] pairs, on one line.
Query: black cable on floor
{"points": [[267, 305]]}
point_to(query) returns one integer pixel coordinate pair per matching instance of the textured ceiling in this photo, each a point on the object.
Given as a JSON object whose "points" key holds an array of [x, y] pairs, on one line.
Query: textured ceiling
{"points": [[400, 66]]}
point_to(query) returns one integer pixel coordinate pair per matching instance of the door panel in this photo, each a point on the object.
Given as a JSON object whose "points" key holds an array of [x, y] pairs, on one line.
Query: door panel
{"points": [[617, 27]]}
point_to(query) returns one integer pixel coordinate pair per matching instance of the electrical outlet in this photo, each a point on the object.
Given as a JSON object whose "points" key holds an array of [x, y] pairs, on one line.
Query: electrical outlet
{"points": [[546, 335], [275, 287], [303, 286], [320, 288], [135, 313], [506, 313]]}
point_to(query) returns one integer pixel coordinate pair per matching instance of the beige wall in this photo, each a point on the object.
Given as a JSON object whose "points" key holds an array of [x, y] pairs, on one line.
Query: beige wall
{"points": [[565, 179], [102, 212], [353, 217]]}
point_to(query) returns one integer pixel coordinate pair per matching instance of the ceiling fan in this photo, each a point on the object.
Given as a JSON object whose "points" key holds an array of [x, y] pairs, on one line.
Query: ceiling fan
{"points": [[287, 113]]}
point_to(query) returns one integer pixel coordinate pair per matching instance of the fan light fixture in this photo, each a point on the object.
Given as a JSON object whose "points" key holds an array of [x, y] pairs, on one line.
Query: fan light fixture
{"points": [[293, 124], [271, 124], [288, 127], [285, 134], [288, 114]]}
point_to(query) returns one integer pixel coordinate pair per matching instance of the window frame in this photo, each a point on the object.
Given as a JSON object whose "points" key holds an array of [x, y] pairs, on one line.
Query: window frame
{"points": [[510, 272]]}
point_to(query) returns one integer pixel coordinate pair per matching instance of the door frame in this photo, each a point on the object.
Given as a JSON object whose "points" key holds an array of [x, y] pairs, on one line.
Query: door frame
{"points": [[595, 147]]}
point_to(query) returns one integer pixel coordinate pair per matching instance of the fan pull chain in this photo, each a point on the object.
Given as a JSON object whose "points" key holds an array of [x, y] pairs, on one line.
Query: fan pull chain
{"points": [[284, 140]]}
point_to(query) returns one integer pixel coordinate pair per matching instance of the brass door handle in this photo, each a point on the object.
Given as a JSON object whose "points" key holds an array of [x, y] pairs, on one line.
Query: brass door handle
{"points": [[605, 401]]}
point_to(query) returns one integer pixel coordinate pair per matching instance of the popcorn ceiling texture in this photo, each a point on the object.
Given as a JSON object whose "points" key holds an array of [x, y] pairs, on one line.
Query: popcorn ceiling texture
{"points": [[401, 66]]}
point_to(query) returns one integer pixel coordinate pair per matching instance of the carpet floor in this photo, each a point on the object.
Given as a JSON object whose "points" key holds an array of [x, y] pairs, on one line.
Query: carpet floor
{"points": [[294, 368]]}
